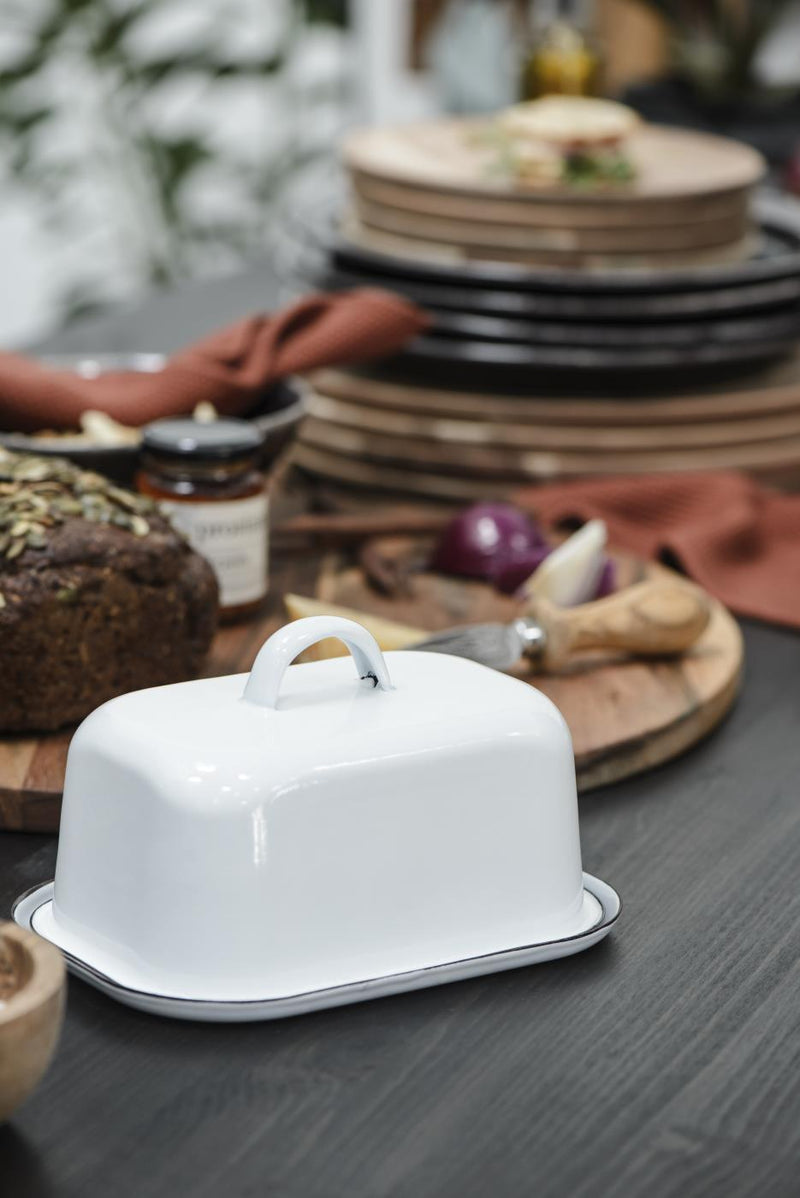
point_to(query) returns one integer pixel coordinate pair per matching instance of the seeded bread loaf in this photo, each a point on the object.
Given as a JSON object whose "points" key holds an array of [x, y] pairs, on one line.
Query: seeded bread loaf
{"points": [[99, 595]]}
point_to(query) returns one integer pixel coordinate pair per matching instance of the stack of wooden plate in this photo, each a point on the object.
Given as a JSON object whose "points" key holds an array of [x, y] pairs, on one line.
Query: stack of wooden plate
{"points": [[436, 189], [654, 326], [460, 445]]}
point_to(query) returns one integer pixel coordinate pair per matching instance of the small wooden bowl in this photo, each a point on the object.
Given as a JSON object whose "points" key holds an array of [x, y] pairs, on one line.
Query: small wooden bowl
{"points": [[32, 991]]}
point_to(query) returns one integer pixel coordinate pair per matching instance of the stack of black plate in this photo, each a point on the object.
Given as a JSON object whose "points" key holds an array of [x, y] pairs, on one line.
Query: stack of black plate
{"points": [[510, 329]]}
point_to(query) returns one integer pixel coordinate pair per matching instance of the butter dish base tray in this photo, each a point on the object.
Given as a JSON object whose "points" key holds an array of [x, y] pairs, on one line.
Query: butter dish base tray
{"points": [[31, 911]]}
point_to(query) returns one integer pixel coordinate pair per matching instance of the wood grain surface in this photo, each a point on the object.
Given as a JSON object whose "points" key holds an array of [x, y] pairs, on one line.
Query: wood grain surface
{"points": [[422, 473], [545, 213], [524, 238], [566, 436], [625, 240], [775, 391], [350, 480], [504, 461], [432, 443], [678, 165], [625, 714], [771, 255], [415, 247], [32, 991]]}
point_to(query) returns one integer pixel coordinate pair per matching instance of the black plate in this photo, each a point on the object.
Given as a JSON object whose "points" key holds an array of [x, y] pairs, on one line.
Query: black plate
{"points": [[522, 369], [685, 306], [777, 258], [779, 325]]}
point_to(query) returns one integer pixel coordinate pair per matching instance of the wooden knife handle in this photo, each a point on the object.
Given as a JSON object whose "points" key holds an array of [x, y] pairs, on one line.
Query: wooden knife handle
{"points": [[651, 619]]}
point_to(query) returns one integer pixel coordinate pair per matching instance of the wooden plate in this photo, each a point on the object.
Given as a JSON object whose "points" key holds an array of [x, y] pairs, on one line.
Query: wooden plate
{"points": [[449, 156], [625, 716], [400, 481], [541, 212], [634, 262], [776, 392], [408, 480], [625, 240], [569, 435], [777, 257], [510, 463]]}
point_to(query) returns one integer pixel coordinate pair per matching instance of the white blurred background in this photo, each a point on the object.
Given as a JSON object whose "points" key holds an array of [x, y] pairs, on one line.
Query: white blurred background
{"points": [[147, 142]]}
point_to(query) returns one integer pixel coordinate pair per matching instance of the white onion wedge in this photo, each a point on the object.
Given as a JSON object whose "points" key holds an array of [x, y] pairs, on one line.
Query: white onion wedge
{"points": [[570, 574]]}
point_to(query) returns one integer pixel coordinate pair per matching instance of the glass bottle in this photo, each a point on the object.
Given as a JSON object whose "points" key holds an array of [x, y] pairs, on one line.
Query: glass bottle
{"points": [[562, 57]]}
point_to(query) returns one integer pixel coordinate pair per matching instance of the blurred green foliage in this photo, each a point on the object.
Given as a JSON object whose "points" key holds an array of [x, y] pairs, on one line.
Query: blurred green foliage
{"points": [[331, 12], [715, 42], [53, 137]]}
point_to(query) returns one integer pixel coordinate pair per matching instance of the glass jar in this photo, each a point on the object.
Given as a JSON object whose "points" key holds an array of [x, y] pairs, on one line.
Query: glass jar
{"points": [[206, 477], [562, 57]]}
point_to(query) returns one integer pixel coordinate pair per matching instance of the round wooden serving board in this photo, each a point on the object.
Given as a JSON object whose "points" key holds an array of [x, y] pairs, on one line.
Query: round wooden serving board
{"points": [[625, 715]]}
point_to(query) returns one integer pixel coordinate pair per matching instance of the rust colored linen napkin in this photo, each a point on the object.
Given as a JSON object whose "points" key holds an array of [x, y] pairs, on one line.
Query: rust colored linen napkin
{"points": [[231, 368], [736, 538]]}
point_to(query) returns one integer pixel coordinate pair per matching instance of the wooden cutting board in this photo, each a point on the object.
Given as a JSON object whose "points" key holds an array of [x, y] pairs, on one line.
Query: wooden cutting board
{"points": [[625, 716]]}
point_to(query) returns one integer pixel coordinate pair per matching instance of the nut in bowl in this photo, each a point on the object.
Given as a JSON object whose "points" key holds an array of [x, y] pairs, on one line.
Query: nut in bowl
{"points": [[32, 991]]}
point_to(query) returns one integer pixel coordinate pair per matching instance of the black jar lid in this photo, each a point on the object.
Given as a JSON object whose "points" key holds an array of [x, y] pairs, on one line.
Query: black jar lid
{"points": [[212, 440]]}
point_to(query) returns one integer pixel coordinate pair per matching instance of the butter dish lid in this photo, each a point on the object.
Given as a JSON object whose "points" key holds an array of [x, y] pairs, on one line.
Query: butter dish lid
{"points": [[282, 707]]}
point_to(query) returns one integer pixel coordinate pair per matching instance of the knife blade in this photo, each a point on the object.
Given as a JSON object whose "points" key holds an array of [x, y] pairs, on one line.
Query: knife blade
{"points": [[497, 645]]}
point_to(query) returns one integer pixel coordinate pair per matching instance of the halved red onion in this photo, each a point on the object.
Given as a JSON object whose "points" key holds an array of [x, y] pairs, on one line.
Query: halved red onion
{"points": [[482, 540]]}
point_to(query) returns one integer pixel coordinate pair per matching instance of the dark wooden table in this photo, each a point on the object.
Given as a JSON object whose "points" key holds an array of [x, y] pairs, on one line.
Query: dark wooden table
{"points": [[666, 1061]]}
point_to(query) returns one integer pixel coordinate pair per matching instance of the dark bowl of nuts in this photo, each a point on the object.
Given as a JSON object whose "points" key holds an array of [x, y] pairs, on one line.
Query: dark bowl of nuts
{"points": [[112, 449]]}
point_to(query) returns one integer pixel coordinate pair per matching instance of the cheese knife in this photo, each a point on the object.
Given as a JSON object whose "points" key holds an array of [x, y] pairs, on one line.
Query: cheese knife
{"points": [[655, 618]]}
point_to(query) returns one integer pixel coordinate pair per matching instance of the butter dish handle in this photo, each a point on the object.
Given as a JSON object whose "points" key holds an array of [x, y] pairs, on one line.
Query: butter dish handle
{"points": [[283, 647]]}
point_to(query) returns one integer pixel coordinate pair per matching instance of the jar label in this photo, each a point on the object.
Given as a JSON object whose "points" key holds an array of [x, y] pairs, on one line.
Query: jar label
{"points": [[233, 536]]}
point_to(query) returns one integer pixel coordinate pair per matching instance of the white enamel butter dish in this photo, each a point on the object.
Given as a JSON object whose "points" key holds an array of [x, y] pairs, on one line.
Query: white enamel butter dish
{"points": [[309, 835]]}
